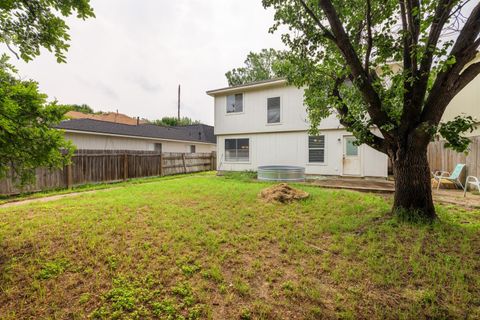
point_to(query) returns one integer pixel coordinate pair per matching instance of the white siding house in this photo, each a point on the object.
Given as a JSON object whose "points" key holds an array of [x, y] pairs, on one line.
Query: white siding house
{"points": [[265, 123], [103, 135]]}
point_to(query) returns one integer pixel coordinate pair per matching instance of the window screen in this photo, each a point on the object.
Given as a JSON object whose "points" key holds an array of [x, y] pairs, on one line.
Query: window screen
{"points": [[235, 103], [273, 110], [237, 150], [316, 149]]}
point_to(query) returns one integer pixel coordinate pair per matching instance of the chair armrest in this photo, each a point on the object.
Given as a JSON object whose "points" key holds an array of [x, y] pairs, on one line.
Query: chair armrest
{"points": [[473, 180], [442, 174]]}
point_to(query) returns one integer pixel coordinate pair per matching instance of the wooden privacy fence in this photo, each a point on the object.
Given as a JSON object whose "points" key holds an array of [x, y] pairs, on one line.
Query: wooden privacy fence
{"points": [[441, 158], [97, 166]]}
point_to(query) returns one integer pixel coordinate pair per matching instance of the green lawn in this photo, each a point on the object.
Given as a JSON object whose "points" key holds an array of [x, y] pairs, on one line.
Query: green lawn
{"points": [[203, 246]]}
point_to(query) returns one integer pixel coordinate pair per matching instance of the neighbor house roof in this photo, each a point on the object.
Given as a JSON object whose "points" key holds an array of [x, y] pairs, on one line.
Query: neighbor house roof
{"points": [[106, 116], [195, 133], [248, 86]]}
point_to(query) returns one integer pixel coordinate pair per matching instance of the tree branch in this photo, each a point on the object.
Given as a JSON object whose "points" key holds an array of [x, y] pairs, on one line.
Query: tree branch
{"points": [[372, 140], [369, 35], [470, 73], [409, 69], [441, 15], [362, 81], [312, 15], [447, 82]]}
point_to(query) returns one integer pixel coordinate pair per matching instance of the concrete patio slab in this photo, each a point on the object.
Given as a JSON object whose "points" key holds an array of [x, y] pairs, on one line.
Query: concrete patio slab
{"points": [[444, 196]]}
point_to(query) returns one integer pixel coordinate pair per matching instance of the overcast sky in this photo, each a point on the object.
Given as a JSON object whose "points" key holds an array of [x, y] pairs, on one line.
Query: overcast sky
{"points": [[133, 55]]}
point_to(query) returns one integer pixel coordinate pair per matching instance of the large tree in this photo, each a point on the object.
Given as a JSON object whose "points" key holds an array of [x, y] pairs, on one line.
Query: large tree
{"points": [[258, 66], [390, 65], [27, 137]]}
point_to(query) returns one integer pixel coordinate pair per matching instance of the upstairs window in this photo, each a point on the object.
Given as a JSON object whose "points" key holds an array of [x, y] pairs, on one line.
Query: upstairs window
{"points": [[273, 110], [237, 150], [235, 103], [316, 149]]}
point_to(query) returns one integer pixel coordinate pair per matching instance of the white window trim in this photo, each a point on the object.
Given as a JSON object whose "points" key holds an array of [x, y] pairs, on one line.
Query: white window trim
{"points": [[281, 111], [238, 112], [325, 162], [238, 162]]}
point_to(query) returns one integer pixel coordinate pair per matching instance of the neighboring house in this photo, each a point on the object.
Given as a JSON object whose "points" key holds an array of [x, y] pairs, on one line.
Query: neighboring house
{"points": [[105, 116], [466, 102], [265, 123], [103, 135]]}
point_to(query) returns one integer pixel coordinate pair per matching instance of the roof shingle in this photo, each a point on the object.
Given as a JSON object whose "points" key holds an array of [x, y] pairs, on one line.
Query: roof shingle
{"points": [[198, 132]]}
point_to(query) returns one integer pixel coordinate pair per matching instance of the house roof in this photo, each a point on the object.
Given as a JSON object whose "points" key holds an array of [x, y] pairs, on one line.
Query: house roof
{"points": [[248, 86], [194, 133], [106, 116]]}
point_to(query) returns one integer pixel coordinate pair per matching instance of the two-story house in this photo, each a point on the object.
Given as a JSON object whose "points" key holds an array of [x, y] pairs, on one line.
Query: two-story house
{"points": [[266, 123]]}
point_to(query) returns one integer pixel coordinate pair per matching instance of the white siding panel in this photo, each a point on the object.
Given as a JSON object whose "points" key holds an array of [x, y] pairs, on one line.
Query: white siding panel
{"points": [[291, 148], [103, 142], [253, 119]]}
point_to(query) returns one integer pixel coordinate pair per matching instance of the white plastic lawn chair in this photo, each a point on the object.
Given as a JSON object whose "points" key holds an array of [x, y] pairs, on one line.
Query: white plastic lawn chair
{"points": [[473, 181], [453, 177]]}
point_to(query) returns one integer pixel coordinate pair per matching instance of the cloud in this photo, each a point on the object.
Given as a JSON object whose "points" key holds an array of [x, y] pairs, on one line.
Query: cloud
{"points": [[132, 58], [147, 85]]}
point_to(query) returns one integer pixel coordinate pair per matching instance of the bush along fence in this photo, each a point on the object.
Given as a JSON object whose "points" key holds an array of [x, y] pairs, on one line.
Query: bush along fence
{"points": [[98, 166]]}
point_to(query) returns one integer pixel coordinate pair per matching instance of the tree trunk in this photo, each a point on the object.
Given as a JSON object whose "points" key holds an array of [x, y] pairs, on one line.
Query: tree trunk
{"points": [[413, 191]]}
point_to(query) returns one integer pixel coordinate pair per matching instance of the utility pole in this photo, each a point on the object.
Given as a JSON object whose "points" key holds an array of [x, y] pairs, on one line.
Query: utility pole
{"points": [[178, 102]]}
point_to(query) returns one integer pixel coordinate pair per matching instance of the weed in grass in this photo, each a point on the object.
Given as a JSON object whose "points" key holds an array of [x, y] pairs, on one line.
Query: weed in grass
{"points": [[189, 269], [245, 314], [126, 298], [242, 287], [52, 269], [166, 308], [112, 262], [288, 287], [182, 289], [213, 273], [84, 298]]}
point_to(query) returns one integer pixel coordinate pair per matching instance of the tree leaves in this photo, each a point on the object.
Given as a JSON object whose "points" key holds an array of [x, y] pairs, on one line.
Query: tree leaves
{"points": [[27, 137], [29, 25], [452, 132], [258, 66]]}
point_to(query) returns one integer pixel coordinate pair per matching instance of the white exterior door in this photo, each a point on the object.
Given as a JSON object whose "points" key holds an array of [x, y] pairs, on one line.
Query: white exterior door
{"points": [[351, 157]]}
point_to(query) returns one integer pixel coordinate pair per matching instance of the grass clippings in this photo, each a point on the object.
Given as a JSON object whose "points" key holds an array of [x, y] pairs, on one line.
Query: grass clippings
{"points": [[282, 193]]}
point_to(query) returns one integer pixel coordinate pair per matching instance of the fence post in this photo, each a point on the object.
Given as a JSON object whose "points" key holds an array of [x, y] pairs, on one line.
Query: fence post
{"points": [[125, 166], [69, 176], [212, 163], [184, 165], [161, 165]]}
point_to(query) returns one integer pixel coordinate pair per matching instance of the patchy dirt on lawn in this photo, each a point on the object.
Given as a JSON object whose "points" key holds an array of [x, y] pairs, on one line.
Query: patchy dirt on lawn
{"points": [[282, 193]]}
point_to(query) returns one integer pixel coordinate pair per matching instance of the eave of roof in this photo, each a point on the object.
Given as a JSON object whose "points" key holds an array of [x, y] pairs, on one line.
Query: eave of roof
{"points": [[249, 86]]}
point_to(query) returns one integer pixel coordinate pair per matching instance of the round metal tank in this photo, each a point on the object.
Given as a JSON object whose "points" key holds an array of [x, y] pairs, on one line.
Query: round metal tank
{"points": [[281, 173]]}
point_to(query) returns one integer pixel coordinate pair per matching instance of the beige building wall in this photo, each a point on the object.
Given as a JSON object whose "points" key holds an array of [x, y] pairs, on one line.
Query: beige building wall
{"points": [[106, 142], [466, 102]]}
